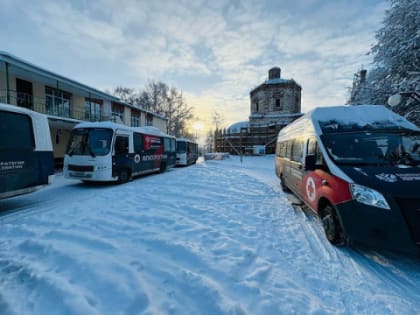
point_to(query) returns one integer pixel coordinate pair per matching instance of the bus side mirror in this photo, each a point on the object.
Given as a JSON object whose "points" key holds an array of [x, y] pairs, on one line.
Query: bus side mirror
{"points": [[310, 162]]}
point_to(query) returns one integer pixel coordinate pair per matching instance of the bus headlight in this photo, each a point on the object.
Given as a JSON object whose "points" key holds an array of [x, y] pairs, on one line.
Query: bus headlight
{"points": [[368, 196]]}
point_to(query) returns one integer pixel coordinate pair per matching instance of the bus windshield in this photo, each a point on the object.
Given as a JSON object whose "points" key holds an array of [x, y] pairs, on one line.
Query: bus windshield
{"points": [[373, 148], [181, 147], [90, 141]]}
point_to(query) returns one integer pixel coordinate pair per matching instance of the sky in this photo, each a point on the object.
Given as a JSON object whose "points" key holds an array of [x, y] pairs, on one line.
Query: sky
{"points": [[215, 52]]}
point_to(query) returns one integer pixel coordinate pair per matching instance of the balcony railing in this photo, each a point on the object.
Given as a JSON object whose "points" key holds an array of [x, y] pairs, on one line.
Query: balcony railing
{"points": [[37, 104]]}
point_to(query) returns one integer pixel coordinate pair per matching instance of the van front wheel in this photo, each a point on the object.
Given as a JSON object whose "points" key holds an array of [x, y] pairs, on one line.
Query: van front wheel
{"points": [[123, 176], [332, 227]]}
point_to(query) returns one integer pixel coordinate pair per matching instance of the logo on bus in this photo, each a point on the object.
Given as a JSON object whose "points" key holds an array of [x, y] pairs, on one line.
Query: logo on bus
{"points": [[137, 158], [310, 189]]}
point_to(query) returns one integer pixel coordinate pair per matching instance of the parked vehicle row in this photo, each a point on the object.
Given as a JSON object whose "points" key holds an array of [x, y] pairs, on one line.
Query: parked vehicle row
{"points": [[105, 151], [357, 167], [98, 151]]}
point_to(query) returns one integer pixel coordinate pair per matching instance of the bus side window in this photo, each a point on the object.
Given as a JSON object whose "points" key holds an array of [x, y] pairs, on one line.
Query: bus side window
{"points": [[16, 131], [138, 143]]}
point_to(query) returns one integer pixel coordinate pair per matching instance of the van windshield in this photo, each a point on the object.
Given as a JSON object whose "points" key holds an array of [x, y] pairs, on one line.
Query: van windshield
{"points": [[374, 148], [90, 141]]}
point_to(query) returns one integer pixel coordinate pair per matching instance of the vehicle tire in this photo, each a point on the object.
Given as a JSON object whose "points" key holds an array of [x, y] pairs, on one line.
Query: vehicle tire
{"points": [[162, 167], [123, 176], [283, 185], [332, 227]]}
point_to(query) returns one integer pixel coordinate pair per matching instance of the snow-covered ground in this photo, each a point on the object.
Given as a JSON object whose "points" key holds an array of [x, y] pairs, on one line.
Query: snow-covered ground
{"points": [[218, 237]]}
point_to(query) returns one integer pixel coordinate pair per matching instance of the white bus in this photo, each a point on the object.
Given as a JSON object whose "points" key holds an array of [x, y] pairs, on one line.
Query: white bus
{"points": [[186, 152], [105, 151], [26, 153]]}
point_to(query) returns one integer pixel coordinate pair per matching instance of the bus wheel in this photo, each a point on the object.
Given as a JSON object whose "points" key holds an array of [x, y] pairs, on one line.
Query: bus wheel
{"points": [[332, 227], [283, 185], [162, 167], [123, 176]]}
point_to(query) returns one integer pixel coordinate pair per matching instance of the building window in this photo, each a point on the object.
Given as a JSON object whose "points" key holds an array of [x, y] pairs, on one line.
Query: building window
{"points": [[135, 118], [117, 110], [149, 119], [256, 107], [57, 102], [93, 109], [278, 106]]}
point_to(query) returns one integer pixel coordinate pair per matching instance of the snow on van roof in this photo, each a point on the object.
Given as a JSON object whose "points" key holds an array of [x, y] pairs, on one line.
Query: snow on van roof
{"points": [[348, 118]]}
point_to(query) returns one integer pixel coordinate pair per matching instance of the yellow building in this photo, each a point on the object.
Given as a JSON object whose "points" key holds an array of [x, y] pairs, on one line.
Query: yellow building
{"points": [[65, 101]]}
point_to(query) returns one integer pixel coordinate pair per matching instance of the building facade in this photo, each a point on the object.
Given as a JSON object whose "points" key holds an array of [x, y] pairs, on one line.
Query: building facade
{"points": [[65, 101], [273, 104]]}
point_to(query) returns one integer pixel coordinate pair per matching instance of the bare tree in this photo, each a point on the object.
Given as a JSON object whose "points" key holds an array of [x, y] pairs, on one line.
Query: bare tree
{"points": [[163, 100], [209, 144], [217, 120]]}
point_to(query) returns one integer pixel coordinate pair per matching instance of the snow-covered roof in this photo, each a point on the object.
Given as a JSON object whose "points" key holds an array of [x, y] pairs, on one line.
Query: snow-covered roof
{"points": [[111, 125]]}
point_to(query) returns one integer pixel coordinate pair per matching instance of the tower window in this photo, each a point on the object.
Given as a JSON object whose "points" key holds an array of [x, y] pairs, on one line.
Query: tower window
{"points": [[256, 107], [277, 103]]}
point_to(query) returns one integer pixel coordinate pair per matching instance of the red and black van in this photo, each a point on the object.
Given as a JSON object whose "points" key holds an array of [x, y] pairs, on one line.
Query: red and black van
{"points": [[358, 167]]}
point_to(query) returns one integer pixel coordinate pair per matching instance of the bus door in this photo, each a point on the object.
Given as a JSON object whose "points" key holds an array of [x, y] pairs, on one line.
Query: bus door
{"points": [[121, 153], [138, 166]]}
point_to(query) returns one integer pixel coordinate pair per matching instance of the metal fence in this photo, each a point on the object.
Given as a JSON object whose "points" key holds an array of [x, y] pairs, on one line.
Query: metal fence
{"points": [[41, 105]]}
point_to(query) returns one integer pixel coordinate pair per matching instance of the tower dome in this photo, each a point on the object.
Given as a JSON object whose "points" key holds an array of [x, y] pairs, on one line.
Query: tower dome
{"points": [[274, 73]]}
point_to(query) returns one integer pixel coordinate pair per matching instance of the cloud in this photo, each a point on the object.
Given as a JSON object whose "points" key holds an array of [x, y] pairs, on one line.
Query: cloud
{"points": [[229, 45]]}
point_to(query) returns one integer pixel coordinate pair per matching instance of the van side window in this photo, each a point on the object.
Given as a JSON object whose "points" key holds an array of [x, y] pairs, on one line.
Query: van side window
{"points": [[319, 159], [297, 151], [281, 149], [138, 142], [311, 146], [289, 145]]}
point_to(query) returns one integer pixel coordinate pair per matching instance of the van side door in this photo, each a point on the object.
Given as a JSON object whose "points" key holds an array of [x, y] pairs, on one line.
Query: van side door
{"points": [[296, 169]]}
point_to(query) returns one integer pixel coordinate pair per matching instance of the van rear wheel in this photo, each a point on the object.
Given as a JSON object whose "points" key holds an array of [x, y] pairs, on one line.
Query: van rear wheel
{"points": [[332, 227]]}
